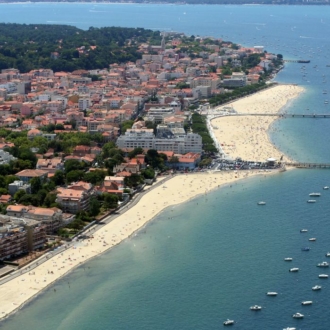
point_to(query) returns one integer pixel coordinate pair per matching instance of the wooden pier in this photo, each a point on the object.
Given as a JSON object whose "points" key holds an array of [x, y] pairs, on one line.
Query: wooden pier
{"points": [[298, 61], [284, 115], [310, 165]]}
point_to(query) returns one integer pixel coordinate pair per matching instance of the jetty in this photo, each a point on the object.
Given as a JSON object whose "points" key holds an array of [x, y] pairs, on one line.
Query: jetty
{"points": [[285, 115], [280, 115], [297, 61], [309, 165]]}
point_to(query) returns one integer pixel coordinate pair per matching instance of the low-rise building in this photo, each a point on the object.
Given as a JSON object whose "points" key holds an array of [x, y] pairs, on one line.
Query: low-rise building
{"points": [[51, 218], [27, 175], [20, 236], [5, 157], [50, 165], [72, 200], [19, 185]]}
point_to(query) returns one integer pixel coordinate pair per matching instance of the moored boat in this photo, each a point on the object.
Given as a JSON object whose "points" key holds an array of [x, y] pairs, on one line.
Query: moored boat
{"points": [[313, 239], [311, 201], [323, 276], [229, 322], [289, 328], [288, 259], [305, 248], [256, 308], [293, 270], [327, 254], [323, 264], [261, 203], [303, 230], [314, 194], [326, 188], [297, 316], [271, 293], [307, 302], [316, 287]]}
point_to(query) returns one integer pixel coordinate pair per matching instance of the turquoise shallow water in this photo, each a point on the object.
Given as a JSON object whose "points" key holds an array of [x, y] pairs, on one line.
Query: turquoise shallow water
{"points": [[214, 259], [210, 262]]}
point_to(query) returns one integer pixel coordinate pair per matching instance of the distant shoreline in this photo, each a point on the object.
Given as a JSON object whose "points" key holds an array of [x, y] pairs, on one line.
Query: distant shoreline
{"points": [[171, 3]]}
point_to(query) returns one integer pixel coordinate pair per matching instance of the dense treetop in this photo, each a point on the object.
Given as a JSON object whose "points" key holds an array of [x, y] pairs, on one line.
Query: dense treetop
{"points": [[29, 47]]}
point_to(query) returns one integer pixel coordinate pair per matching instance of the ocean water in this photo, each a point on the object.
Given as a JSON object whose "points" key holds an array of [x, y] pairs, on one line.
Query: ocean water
{"points": [[220, 253]]}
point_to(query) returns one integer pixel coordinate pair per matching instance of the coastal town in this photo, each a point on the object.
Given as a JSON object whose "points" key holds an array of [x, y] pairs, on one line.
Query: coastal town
{"points": [[77, 145], [88, 157]]}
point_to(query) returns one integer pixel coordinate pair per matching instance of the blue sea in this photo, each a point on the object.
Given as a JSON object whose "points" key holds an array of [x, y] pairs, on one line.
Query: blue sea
{"points": [[220, 253]]}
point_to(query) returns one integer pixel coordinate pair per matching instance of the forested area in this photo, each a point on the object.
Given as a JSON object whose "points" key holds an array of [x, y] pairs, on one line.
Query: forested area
{"points": [[29, 46]]}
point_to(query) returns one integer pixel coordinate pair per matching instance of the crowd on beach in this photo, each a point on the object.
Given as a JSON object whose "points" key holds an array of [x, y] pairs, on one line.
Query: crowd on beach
{"points": [[247, 136]]}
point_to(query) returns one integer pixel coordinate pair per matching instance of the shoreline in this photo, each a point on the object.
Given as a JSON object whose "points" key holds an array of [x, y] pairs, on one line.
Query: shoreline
{"points": [[21, 290], [229, 177], [248, 137]]}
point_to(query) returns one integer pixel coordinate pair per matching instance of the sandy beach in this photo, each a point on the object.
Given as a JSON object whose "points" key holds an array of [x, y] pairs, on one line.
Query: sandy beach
{"points": [[247, 136], [244, 131]]}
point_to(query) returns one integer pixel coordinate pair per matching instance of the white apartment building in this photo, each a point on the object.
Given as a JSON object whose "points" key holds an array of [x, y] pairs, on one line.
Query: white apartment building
{"points": [[145, 138], [214, 83], [9, 87], [84, 103]]}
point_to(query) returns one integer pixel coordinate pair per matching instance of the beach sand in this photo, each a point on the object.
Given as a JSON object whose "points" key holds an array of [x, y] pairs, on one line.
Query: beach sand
{"points": [[247, 136], [176, 190]]}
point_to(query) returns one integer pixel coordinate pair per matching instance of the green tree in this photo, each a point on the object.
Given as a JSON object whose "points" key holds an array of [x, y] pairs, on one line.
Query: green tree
{"points": [[133, 181], [106, 149], [110, 201], [126, 125], [135, 152], [50, 200], [36, 185], [10, 179], [148, 173], [74, 175], [94, 207], [3, 191], [73, 164], [94, 177], [58, 178], [19, 194]]}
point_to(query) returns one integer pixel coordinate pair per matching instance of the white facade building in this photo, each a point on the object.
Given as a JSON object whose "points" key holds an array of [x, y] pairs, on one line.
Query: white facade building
{"points": [[145, 138], [84, 103]]}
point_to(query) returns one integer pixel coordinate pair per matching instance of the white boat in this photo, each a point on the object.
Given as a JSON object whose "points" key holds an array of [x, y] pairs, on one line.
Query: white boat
{"points": [[297, 316], [323, 276], [327, 254], [229, 322], [311, 201], [261, 203], [313, 239], [307, 302], [326, 188], [323, 264], [315, 194], [256, 308], [303, 230], [293, 270], [316, 287], [289, 328], [271, 293], [288, 259]]}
